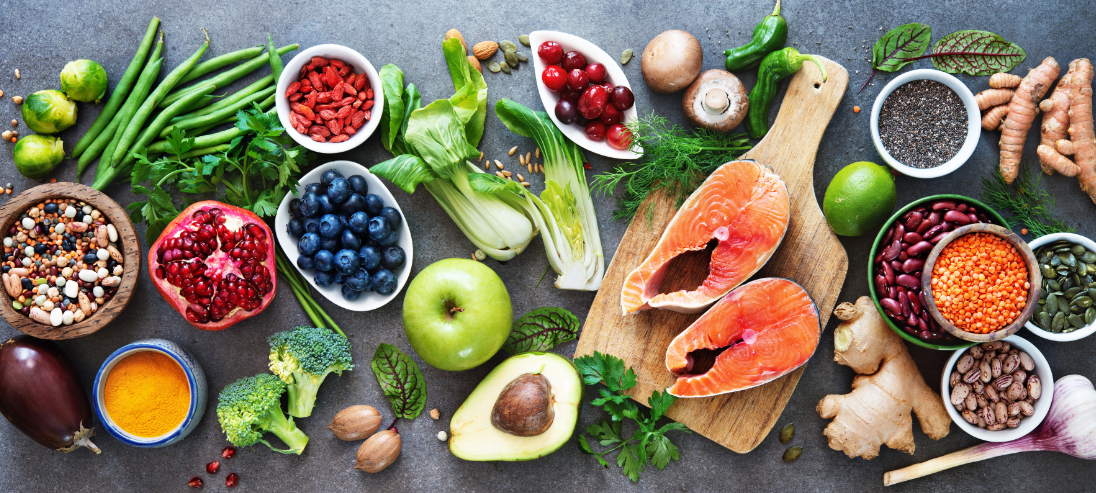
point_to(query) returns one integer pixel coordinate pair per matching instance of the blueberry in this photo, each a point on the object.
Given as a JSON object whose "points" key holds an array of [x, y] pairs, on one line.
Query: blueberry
{"points": [[305, 262], [370, 257], [350, 240], [384, 282], [359, 281], [393, 258], [312, 225], [349, 293], [309, 244], [51, 208], [346, 262], [391, 239], [310, 204], [330, 227], [358, 222], [326, 205], [373, 205], [316, 188], [324, 260], [295, 227], [339, 278], [329, 244], [339, 190], [379, 228], [358, 184], [295, 208], [324, 279], [355, 203], [393, 216], [328, 176]]}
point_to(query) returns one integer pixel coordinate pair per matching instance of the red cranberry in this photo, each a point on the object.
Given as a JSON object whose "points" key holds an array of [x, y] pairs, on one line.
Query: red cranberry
{"points": [[595, 131], [597, 73], [609, 116], [565, 111], [551, 52], [573, 60], [577, 80], [554, 78], [571, 96], [593, 102], [623, 98], [213, 467], [618, 137], [195, 482], [232, 480]]}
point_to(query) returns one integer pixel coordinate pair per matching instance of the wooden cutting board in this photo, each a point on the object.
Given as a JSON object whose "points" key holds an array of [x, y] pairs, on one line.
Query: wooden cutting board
{"points": [[810, 255]]}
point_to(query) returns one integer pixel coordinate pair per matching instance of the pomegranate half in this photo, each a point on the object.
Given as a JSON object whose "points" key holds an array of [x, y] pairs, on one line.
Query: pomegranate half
{"points": [[215, 265]]}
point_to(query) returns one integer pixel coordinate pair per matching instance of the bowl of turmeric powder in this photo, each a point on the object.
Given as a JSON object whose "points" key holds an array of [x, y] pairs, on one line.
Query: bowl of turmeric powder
{"points": [[150, 393]]}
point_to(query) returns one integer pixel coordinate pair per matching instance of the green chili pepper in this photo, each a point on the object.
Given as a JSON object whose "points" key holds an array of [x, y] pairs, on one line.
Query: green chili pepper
{"points": [[768, 36], [776, 66]]}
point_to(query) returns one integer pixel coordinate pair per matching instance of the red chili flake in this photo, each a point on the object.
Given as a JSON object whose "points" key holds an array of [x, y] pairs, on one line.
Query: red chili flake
{"points": [[195, 482], [587, 166], [213, 467], [228, 452], [232, 480]]}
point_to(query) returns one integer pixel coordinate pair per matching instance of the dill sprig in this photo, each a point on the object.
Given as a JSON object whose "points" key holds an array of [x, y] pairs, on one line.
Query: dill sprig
{"points": [[675, 160], [1029, 204]]}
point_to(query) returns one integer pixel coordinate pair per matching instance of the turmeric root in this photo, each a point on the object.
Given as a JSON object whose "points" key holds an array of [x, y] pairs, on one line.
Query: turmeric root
{"points": [[1021, 114], [1002, 80], [1065, 147], [1055, 125], [994, 117], [1081, 131], [888, 387], [993, 97]]}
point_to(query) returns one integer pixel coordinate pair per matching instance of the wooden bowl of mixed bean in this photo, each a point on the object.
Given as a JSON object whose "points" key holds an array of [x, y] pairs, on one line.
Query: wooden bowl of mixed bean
{"points": [[71, 259], [1066, 311], [981, 283]]}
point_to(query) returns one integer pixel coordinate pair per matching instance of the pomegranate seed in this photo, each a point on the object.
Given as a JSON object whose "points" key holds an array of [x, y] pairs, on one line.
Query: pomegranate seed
{"points": [[213, 467], [231, 480], [228, 452], [587, 166], [195, 482]]}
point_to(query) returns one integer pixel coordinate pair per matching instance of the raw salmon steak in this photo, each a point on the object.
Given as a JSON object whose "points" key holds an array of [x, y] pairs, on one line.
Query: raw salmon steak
{"points": [[744, 206], [765, 329]]}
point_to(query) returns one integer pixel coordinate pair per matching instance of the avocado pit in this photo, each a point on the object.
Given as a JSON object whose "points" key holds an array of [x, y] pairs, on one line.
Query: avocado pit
{"points": [[524, 407]]}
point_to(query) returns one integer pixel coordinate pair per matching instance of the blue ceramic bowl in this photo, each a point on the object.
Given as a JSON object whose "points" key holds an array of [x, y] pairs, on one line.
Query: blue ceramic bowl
{"points": [[194, 375]]}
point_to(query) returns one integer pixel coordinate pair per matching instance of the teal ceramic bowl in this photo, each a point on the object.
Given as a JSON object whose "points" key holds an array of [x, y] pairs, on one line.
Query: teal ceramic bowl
{"points": [[994, 218]]}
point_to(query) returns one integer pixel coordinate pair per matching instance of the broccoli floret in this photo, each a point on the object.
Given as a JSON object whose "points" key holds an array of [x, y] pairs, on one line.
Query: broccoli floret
{"points": [[251, 406], [302, 358]]}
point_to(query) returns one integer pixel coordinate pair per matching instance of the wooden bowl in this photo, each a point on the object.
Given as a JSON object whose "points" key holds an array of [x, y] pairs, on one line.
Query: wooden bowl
{"points": [[127, 238], [1035, 280]]}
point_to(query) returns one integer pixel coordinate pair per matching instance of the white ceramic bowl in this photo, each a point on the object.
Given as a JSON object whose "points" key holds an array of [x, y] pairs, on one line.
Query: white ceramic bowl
{"points": [[974, 123], [368, 300], [1079, 333], [292, 72], [1042, 406], [593, 54]]}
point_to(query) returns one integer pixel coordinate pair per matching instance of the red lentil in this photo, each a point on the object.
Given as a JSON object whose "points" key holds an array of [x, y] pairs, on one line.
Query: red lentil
{"points": [[980, 283]]}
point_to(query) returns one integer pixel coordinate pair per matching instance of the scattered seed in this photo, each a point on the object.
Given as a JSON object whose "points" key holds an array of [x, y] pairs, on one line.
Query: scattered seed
{"points": [[522, 57], [521, 178], [792, 453], [529, 167], [511, 58], [787, 432], [499, 164], [508, 46], [487, 165], [1, 94], [17, 99], [15, 123], [856, 109], [528, 156], [513, 150], [505, 67], [493, 66], [14, 133], [524, 39], [6, 135], [481, 156], [434, 413], [442, 436], [525, 184], [521, 160], [474, 257], [538, 153], [626, 56], [499, 174], [507, 174], [17, 76]]}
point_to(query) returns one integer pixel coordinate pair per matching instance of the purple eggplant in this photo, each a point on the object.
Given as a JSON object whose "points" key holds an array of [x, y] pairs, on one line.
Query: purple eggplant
{"points": [[41, 394]]}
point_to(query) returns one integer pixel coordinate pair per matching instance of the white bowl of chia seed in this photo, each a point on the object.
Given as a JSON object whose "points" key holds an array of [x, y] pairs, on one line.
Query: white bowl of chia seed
{"points": [[925, 123]]}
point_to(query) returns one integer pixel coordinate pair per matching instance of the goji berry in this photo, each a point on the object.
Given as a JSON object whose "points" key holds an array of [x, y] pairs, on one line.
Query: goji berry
{"points": [[319, 61], [304, 72], [349, 130], [331, 76], [337, 63], [340, 138], [360, 82], [337, 91], [362, 95], [321, 107], [369, 94], [293, 88], [356, 104], [295, 97], [368, 104], [347, 100], [306, 85], [317, 81], [327, 114], [344, 71], [349, 89], [318, 138], [334, 127], [306, 111], [310, 99], [343, 112], [319, 129], [367, 115], [357, 119], [325, 97], [350, 79]]}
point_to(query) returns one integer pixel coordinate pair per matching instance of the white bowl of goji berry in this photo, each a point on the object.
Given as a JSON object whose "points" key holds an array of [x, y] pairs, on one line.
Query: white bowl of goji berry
{"points": [[329, 98]]}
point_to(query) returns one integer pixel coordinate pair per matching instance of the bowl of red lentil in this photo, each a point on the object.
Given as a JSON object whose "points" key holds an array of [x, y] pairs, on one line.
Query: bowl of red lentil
{"points": [[981, 283], [70, 261]]}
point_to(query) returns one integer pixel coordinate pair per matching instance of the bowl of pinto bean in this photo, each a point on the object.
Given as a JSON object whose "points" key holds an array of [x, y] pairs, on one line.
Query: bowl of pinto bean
{"points": [[329, 98], [898, 258]]}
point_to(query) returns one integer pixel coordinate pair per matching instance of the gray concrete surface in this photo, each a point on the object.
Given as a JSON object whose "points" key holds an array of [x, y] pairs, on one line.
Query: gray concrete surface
{"points": [[40, 37]]}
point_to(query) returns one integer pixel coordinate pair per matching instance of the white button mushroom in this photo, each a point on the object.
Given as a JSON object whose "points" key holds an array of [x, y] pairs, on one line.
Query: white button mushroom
{"points": [[716, 100]]}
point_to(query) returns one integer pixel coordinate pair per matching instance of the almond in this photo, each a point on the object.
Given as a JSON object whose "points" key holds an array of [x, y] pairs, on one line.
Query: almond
{"points": [[453, 33], [475, 63], [484, 49]]}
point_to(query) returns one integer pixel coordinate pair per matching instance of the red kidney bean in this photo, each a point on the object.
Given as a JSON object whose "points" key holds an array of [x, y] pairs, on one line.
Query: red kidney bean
{"points": [[878, 258], [943, 205], [904, 300], [912, 265], [929, 336], [899, 231], [908, 281], [957, 218], [902, 257], [972, 210], [949, 227], [912, 320], [921, 325], [888, 272], [892, 251], [896, 265], [936, 217], [891, 306], [913, 220], [982, 218], [880, 285], [925, 226], [914, 304], [933, 232], [912, 238], [892, 292], [973, 217], [887, 237], [920, 249]]}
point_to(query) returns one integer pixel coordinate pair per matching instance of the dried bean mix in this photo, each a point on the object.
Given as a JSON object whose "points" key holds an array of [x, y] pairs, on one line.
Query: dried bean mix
{"points": [[994, 386]]}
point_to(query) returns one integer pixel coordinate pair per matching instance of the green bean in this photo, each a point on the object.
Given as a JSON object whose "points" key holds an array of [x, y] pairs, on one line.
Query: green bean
{"points": [[220, 61], [218, 115], [205, 150], [153, 129], [120, 91], [242, 93], [275, 59], [225, 78], [142, 114], [204, 140]]}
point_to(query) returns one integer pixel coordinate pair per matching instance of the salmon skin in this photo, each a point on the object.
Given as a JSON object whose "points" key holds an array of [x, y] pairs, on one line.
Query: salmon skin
{"points": [[769, 327], [744, 206]]}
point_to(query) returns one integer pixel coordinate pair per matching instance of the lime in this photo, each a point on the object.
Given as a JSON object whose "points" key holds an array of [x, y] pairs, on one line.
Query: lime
{"points": [[859, 198]]}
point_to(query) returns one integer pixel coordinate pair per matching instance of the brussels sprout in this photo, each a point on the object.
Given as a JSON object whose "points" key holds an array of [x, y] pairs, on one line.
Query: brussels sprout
{"points": [[36, 155], [84, 81], [49, 111]]}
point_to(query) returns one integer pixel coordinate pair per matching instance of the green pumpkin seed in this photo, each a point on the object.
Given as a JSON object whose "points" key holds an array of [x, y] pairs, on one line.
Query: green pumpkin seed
{"points": [[511, 59], [787, 432], [626, 56], [1055, 261], [1090, 315], [493, 66], [1052, 304], [524, 39], [1068, 259], [1083, 302], [505, 67], [792, 453], [1071, 292], [1053, 285], [1064, 283], [1077, 250], [1048, 271], [1044, 256], [1089, 257], [1058, 322], [1074, 308], [1076, 321], [1063, 304], [1042, 320], [508, 46], [1091, 293], [522, 57]]}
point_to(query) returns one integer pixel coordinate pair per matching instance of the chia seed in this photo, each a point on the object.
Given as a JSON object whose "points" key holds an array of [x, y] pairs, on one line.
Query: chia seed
{"points": [[923, 124]]}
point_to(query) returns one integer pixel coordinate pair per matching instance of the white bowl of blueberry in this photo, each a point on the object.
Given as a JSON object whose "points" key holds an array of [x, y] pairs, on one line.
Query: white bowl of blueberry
{"points": [[346, 234]]}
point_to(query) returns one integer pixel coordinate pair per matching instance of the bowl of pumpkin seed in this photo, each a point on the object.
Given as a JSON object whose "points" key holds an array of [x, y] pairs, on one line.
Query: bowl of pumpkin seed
{"points": [[1066, 311]]}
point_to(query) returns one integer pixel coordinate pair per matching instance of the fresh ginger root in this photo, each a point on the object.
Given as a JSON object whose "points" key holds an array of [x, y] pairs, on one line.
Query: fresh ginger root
{"points": [[1021, 114], [1001, 80], [993, 97], [888, 387], [1081, 131], [1055, 125], [994, 117]]}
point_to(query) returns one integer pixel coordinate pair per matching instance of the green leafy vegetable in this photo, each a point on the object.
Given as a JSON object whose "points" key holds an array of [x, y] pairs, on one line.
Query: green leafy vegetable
{"points": [[675, 161], [1029, 204], [898, 48], [649, 444], [400, 380], [541, 329], [975, 53]]}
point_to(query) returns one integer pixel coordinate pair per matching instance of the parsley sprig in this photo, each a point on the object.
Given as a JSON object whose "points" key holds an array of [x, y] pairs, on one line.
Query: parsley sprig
{"points": [[254, 171], [649, 444]]}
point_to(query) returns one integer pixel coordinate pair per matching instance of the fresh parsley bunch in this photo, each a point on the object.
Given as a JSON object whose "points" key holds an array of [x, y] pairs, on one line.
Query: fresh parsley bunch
{"points": [[649, 443], [253, 171]]}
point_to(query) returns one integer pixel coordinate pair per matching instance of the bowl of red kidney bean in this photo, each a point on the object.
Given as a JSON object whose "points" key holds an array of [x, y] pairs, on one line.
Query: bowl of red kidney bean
{"points": [[329, 98], [898, 257]]}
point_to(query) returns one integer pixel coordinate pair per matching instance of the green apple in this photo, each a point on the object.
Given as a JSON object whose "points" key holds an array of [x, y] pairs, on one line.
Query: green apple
{"points": [[457, 314]]}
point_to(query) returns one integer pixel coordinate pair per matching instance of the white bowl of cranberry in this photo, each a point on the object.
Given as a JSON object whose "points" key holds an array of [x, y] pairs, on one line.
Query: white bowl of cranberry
{"points": [[340, 113], [584, 92], [330, 232]]}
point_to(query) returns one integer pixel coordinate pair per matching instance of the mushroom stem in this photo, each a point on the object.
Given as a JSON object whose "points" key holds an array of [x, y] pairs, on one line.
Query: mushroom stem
{"points": [[716, 101]]}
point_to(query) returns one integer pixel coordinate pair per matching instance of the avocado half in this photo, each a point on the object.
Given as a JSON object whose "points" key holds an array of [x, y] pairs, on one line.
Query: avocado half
{"points": [[474, 437]]}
